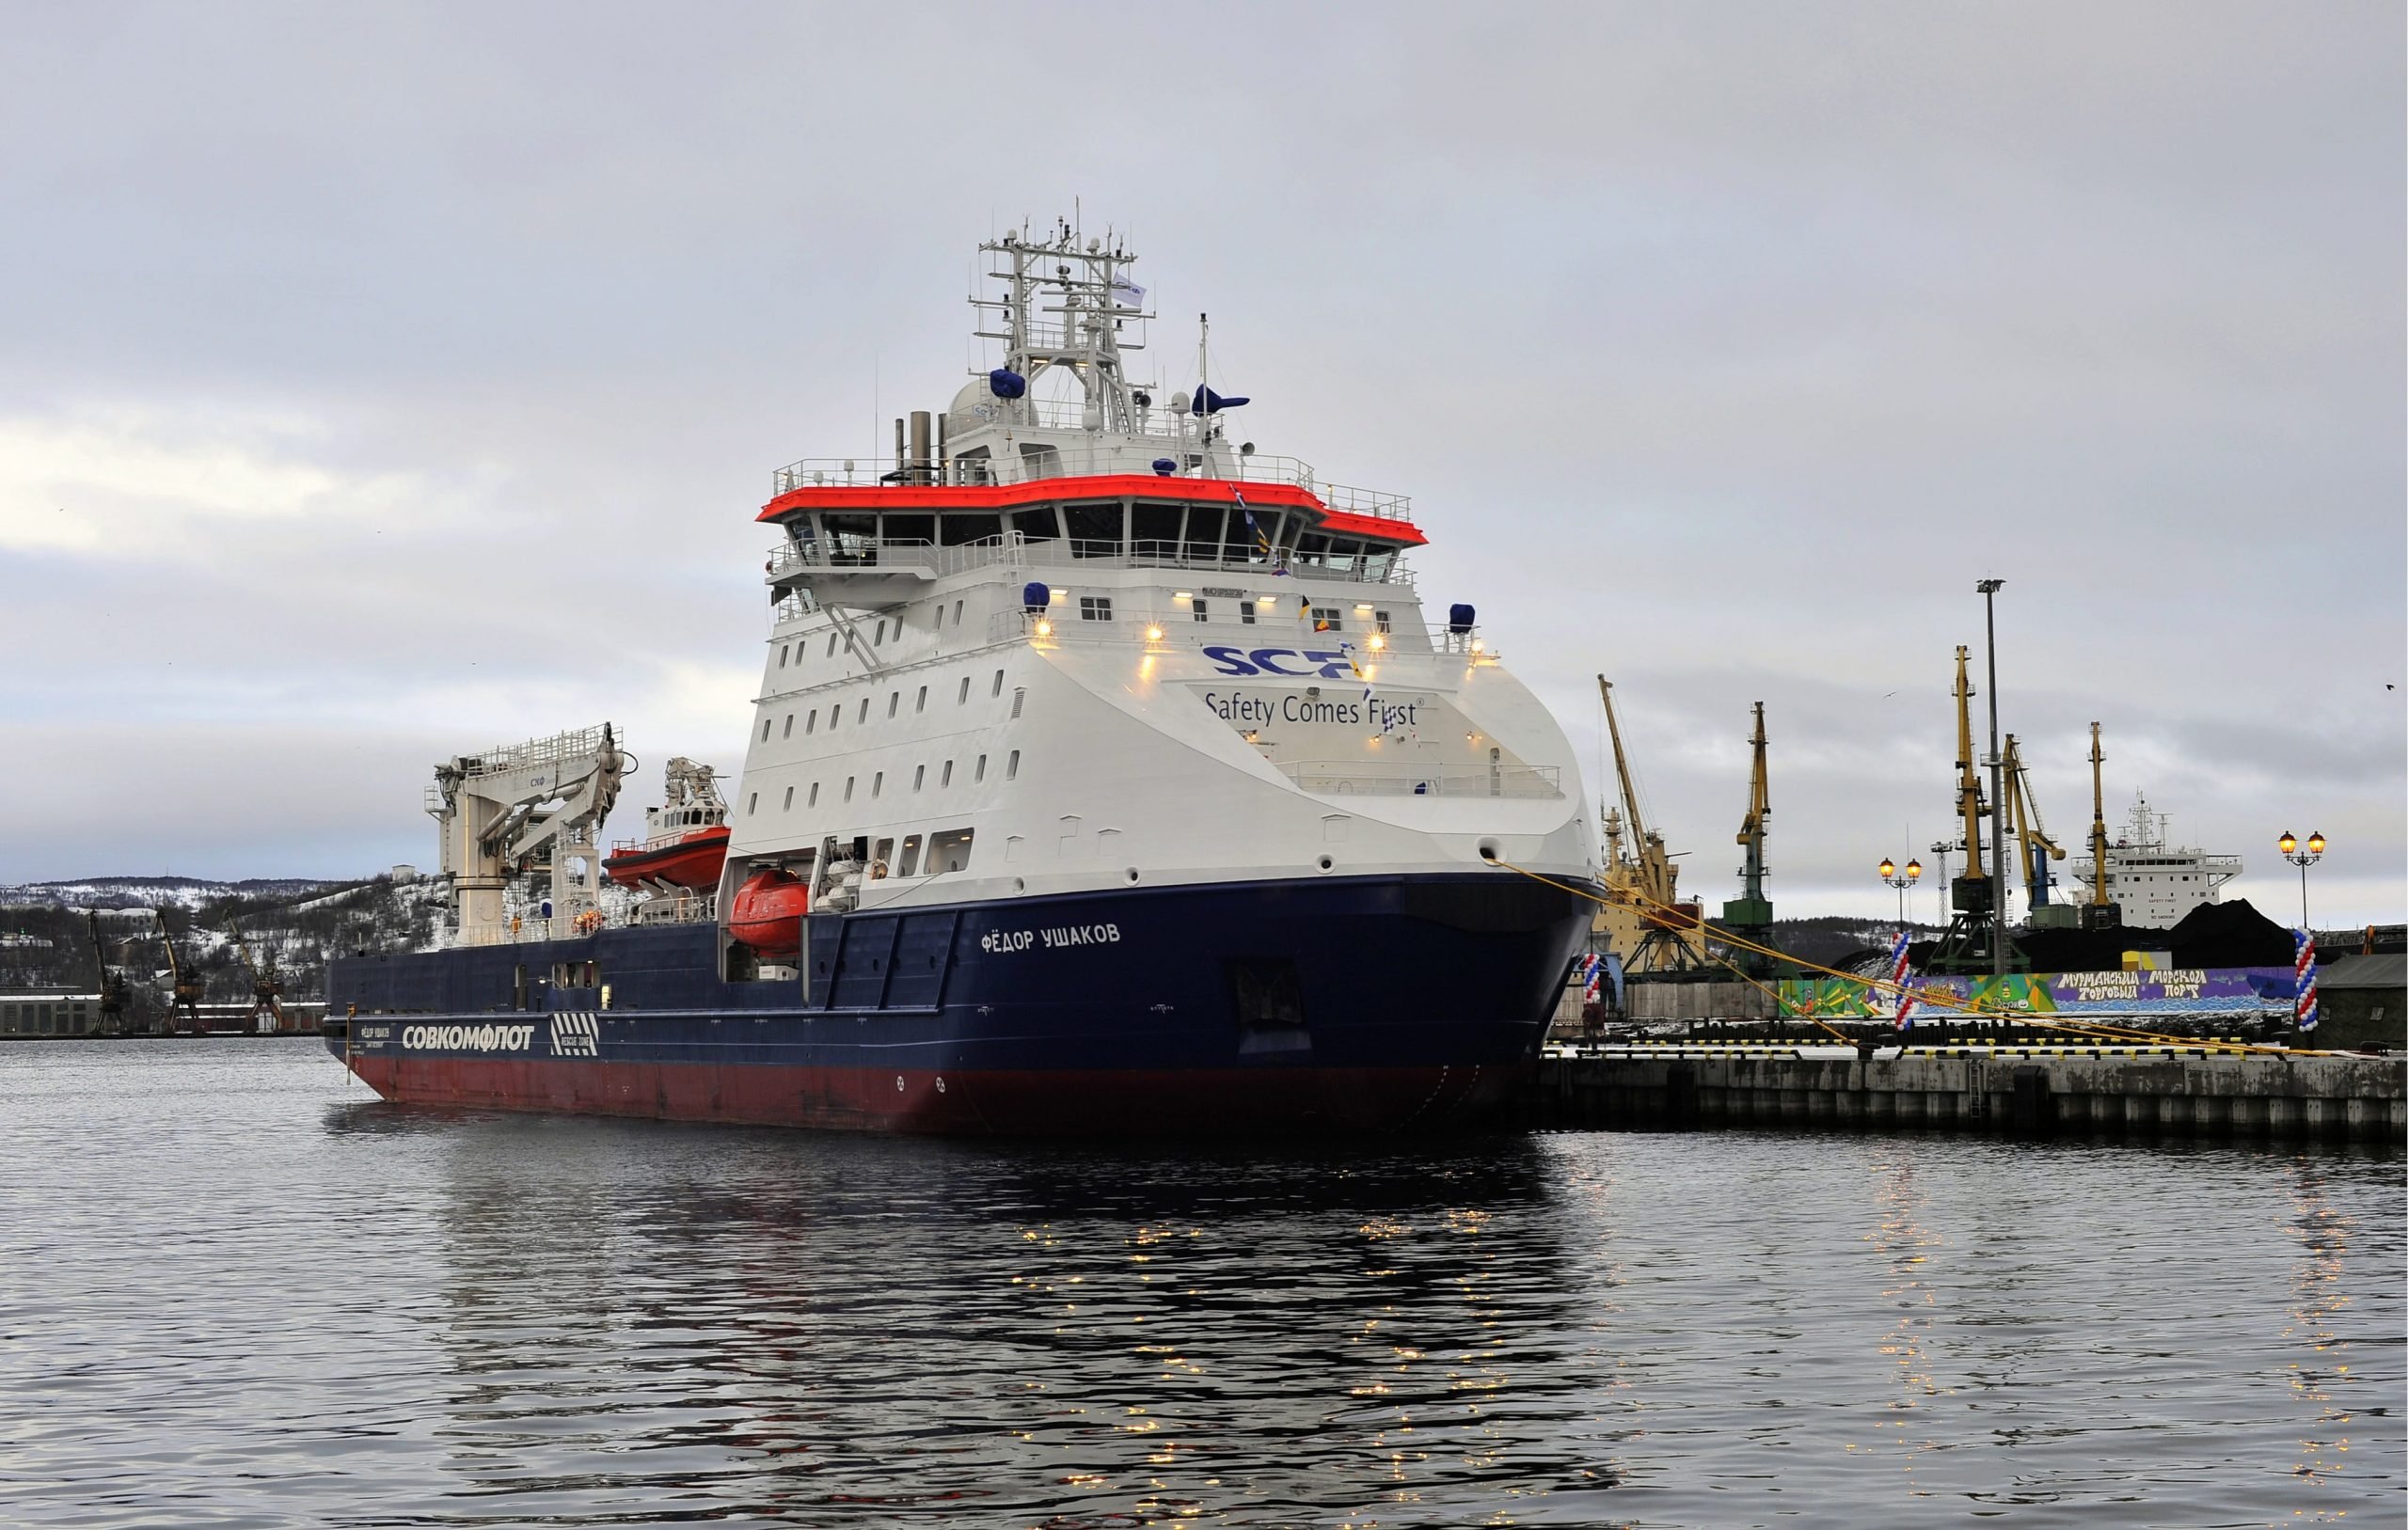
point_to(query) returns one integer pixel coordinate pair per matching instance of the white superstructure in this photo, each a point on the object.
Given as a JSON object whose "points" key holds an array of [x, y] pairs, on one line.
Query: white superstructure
{"points": [[2155, 881], [1064, 646]]}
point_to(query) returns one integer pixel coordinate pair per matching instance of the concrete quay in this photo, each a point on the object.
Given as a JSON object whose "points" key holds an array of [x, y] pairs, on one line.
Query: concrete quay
{"points": [[2202, 1092]]}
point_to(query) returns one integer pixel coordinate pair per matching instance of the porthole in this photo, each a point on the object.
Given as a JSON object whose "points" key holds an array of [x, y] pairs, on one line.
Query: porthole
{"points": [[1325, 864], [1488, 851], [1130, 874], [1020, 884]]}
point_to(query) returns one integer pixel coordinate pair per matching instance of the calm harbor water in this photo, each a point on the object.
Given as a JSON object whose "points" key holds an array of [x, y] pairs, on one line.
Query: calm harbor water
{"points": [[235, 1289]]}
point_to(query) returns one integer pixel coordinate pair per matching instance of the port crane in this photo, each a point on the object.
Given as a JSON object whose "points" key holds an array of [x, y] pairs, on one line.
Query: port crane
{"points": [[1973, 924], [2033, 849], [1751, 911], [532, 810], [112, 984], [267, 985], [183, 986], [2099, 913], [1653, 930]]}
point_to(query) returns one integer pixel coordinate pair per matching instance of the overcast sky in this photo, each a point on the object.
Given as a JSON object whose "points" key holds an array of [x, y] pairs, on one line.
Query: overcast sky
{"points": [[379, 383]]}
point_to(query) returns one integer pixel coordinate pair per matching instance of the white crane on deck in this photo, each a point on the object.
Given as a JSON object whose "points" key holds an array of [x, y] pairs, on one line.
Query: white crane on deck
{"points": [[528, 809]]}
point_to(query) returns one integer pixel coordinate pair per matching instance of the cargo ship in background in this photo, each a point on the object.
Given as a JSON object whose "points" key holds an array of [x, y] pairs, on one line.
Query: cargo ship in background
{"points": [[1106, 775]]}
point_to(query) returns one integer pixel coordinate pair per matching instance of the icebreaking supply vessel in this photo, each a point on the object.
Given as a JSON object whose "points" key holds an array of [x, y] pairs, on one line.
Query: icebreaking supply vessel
{"points": [[1105, 776]]}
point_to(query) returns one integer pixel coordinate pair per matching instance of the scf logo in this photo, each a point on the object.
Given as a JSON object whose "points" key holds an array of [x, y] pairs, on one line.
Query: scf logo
{"points": [[1320, 663]]}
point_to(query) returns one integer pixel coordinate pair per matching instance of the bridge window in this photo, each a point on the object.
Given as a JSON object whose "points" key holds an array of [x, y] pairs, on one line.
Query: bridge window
{"points": [[1343, 555], [851, 538], [949, 851], [1204, 531], [1153, 529], [911, 527], [1376, 559], [1095, 531], [1038, 525], [1312, 549], [962, 529]]}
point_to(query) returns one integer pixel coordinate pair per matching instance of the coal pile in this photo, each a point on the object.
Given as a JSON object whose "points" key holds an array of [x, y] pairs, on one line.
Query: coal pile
{"points": [[2211, 934]]}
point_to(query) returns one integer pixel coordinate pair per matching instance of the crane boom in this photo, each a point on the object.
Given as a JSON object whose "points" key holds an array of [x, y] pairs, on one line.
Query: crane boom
{"points": [[184, 988], [2033, 844], [1621, 766], [1968, 782], [1751, 828]]}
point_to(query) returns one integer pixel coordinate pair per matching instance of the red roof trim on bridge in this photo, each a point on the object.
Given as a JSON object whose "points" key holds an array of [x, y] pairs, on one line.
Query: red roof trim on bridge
{"points": [[1097, 486]]}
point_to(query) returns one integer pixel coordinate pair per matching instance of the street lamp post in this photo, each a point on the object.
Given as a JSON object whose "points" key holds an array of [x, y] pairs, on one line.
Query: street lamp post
{"points": [[2302, 859], [1989, 589], [1901, 880]]}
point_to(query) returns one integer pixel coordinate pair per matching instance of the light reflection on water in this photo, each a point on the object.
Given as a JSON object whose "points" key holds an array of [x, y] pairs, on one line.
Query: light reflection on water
{"points": [[237, 1293]]}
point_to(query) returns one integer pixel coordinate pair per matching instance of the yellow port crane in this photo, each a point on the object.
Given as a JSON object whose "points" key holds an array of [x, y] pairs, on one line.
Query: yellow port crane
{"points": [[1643, 920], [2099, 913], [183, 987], [1751, 911], [1973, 923], [267, 988], [2033, 845]]}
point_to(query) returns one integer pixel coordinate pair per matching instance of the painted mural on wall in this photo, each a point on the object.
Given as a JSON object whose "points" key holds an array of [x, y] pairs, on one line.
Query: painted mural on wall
{"points": [[2245, 991]]}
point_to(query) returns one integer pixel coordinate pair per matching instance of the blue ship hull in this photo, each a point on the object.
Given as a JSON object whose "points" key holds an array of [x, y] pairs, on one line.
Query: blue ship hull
{"points": [[1332, 1004]]}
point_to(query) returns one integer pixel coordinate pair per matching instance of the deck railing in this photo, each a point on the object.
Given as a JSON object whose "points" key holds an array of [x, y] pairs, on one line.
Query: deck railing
{"points": [[1013, 549], [889, 472]]}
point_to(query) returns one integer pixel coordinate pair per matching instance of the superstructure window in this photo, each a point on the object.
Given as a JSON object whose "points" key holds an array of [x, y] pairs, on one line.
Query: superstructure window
{"points": [[1382, 619], [1325, 618], [1011, 767], [894, 700], [881, 857], [1202, 609], [881, 633], [945, 777], [1095, 608], [863, 714], [781, 654], [910, 863], [787, 806], [752, 802], [998, 689], [949, 851], [848, 787], [963, 700], [1020, 694], [981, 773], [836, 716], [765, 723], [878, 784], [788, 731], [920, 703], [811, 722], [919, 775], [957, 613], [812, 800], [1246, 612], [831, 644]]}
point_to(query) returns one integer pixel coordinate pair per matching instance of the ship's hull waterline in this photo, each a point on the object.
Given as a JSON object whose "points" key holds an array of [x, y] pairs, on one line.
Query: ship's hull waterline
{"points": [[1406, 1003]]}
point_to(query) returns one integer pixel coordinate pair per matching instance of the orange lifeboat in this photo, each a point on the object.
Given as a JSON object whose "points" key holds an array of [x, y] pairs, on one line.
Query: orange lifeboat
{"points": [[691, 860], [767, 913]]}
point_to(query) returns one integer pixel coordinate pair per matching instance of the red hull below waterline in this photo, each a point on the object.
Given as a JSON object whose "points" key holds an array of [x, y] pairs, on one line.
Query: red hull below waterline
{"points": [[1216, 1101], [691, 863]]}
